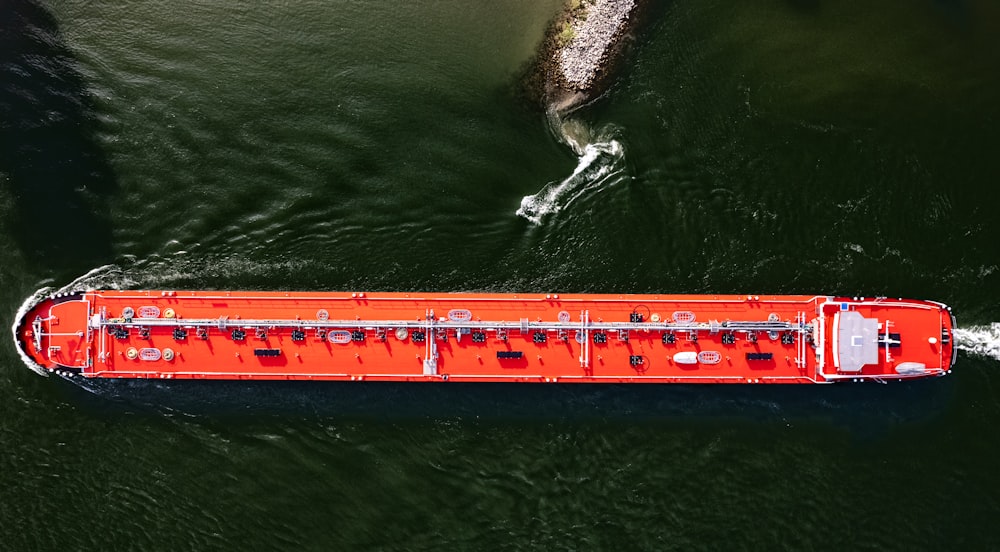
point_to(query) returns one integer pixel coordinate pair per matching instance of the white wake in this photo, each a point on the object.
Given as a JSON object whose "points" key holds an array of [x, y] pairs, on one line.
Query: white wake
{"points": [[601, 162], [979, 340]]}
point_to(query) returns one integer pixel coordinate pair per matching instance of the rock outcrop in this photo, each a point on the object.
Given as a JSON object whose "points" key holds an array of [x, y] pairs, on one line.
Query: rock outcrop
{"points": [[582, 51]]}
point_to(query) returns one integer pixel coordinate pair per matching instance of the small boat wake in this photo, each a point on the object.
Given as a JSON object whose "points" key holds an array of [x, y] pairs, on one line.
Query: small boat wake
{"points": [[600, 164], [982, 341]]}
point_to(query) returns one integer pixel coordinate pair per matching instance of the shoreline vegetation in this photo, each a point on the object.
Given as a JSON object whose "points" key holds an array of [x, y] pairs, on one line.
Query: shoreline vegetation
{"points": [[582, 51]]}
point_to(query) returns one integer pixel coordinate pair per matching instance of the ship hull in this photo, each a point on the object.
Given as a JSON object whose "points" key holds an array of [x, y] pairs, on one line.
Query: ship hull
{"points": [[483, 337]]}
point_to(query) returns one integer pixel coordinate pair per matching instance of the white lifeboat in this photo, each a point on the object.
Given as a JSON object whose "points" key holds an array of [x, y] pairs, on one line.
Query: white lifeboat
{"points": [[686, 357], [911, 368]]}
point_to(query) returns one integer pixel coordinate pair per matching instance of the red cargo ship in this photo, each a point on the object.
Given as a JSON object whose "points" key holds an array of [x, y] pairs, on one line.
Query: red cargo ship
{"points": [[530, 337]]}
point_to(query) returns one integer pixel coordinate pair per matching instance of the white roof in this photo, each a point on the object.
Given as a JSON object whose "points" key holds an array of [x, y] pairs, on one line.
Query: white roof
{"points": [[857, 340]]}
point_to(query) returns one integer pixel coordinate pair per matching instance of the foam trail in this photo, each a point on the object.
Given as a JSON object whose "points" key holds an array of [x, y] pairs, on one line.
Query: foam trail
{"points": [[598, 165], [600, 162], [103, 277], [980, 340]]}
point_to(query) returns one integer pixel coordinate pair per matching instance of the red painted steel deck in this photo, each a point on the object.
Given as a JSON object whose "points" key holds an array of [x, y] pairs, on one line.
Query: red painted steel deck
{"points": [[486, 337]]}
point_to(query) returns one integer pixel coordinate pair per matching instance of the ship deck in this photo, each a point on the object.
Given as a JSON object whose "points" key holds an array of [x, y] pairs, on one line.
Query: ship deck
{"points": [[463, 337]]}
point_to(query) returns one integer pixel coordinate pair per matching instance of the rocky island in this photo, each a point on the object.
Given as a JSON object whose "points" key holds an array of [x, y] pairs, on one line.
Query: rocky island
{"points": [[581, 51]]}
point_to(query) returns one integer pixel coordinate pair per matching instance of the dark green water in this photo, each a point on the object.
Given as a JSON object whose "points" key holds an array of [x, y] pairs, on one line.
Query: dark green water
{"points": [[798, 146]]}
